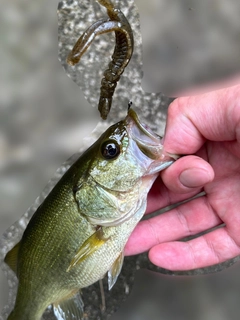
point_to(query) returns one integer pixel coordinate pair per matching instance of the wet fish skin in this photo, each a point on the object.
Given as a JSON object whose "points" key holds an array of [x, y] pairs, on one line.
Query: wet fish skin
{"points": [[78, 233]]}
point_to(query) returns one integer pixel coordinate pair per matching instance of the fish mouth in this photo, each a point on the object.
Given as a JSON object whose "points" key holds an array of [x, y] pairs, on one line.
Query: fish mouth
{"points": [[144, 129], [149, 143]]}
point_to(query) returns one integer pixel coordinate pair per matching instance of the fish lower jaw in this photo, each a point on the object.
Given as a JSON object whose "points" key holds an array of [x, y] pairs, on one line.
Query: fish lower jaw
{"points": [[157, 167]]}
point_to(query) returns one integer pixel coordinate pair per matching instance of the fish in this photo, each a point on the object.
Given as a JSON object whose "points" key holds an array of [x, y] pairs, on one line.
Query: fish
{"points": [[77, 235], [121, 56]]}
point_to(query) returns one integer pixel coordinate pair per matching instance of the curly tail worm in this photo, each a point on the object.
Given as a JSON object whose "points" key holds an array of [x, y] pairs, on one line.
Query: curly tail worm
{"points": [[118, 23]]}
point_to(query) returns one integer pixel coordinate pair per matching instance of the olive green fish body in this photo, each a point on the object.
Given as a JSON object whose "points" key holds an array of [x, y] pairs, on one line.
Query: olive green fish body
{"points": [[53, 235], [78, 233]]}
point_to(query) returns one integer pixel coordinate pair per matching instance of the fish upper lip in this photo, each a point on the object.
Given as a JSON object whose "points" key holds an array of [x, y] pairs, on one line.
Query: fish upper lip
{"points": [[134, 117], [147, 141]]}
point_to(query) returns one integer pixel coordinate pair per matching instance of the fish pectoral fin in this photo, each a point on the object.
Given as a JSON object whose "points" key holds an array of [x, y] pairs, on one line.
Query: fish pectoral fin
{"points": [[70, 308], [12, 257], [115, 270], [92, 244]]}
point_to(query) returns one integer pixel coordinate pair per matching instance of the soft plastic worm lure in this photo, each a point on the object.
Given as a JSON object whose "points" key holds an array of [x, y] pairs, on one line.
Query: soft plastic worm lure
{"points": [[118, 23]]}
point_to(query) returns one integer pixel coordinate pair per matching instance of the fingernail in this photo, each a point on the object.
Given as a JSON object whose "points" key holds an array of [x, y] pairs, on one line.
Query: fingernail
{"points": [[194, 177]]}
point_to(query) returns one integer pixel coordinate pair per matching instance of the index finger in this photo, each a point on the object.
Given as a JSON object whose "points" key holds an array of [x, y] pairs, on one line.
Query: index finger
{"points": [[193, 120]]}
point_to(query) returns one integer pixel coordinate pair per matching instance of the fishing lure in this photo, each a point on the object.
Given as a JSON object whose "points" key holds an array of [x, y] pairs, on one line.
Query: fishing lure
{"points": [[118, 23]]}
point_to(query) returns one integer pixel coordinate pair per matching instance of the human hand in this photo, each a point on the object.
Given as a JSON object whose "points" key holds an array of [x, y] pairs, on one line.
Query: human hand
{"points": [[205, 128]]}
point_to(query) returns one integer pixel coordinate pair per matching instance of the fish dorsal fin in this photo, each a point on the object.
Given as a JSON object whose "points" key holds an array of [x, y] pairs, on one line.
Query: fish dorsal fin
{"points": [[12, 257], [115, 270], [69, 309], [93, 243]]}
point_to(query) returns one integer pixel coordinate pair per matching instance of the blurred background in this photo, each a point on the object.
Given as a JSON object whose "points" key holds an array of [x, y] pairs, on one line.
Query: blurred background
{"points": [[44, 117]]}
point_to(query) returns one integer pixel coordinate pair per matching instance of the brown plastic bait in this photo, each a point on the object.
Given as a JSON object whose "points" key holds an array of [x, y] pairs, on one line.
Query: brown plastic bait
{"points": [[118, 23]]}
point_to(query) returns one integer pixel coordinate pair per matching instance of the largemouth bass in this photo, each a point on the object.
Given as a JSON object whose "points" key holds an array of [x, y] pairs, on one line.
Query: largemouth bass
{"points": [[78, 233]]}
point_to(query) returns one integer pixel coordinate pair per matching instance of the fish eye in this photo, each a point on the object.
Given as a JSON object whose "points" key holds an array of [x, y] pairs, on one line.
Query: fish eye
{"points": [[110, 149]]}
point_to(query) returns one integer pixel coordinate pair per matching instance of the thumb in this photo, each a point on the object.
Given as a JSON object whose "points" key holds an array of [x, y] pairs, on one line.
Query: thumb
{"points": [[187, 174]]}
